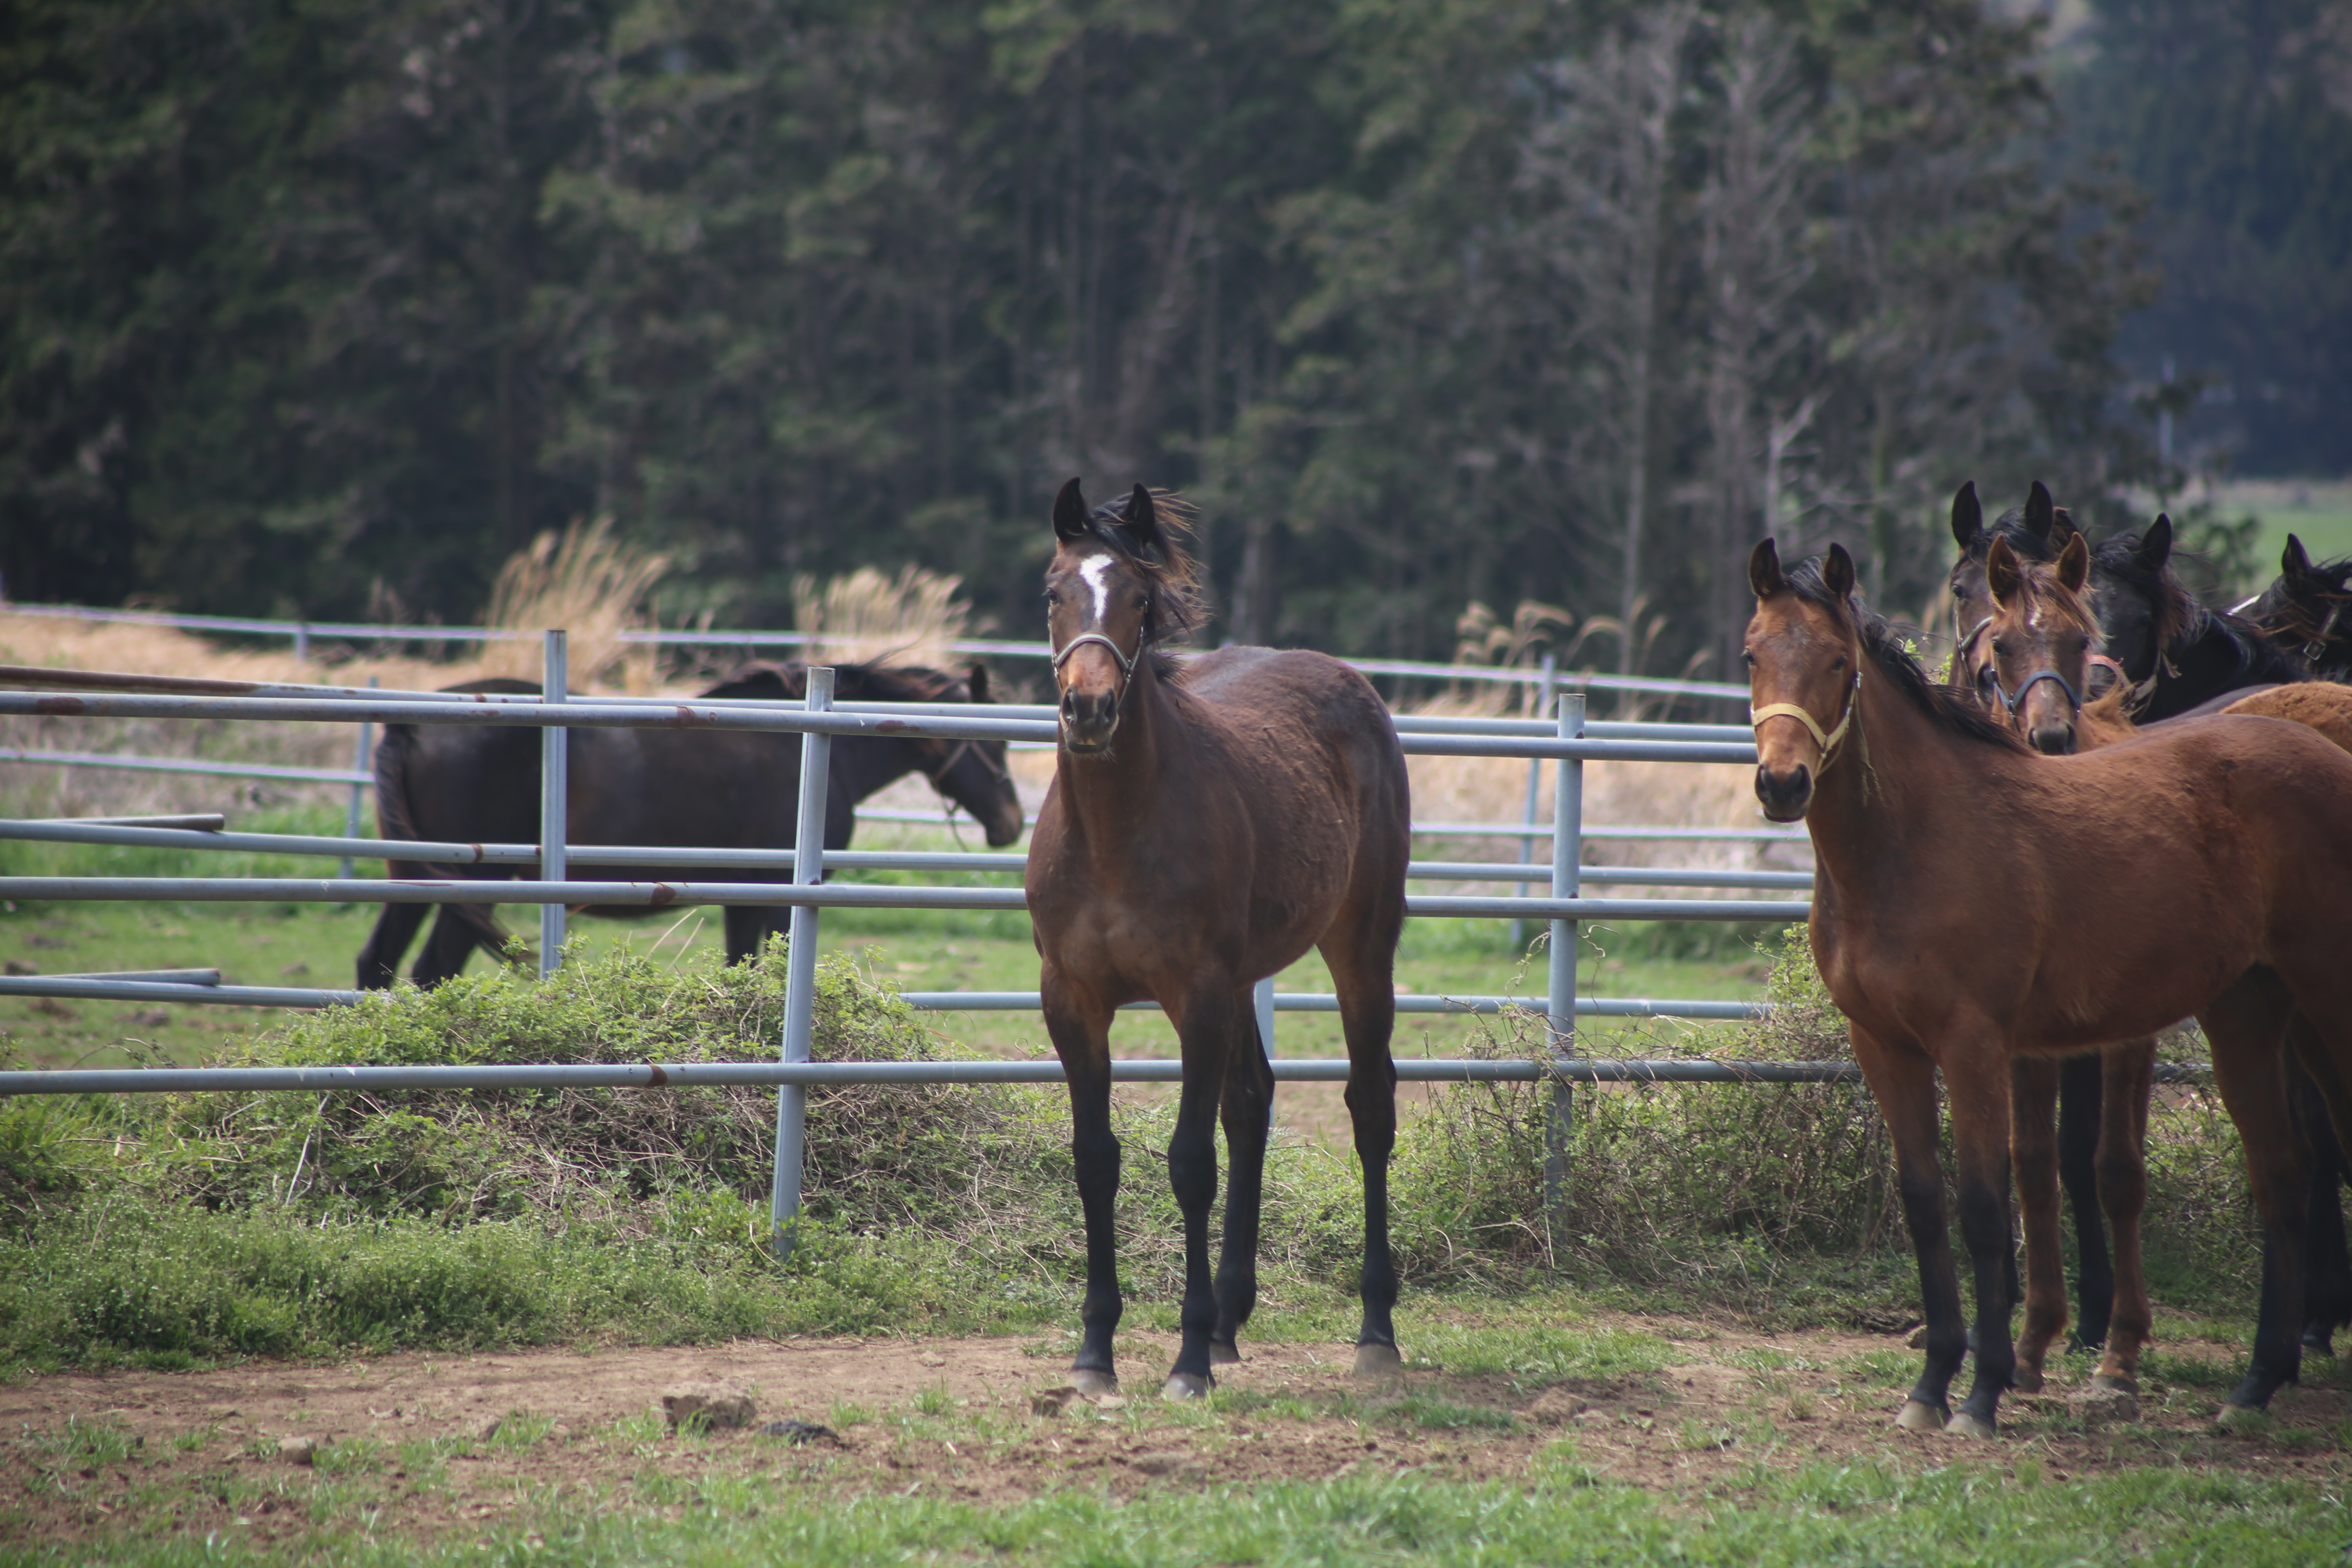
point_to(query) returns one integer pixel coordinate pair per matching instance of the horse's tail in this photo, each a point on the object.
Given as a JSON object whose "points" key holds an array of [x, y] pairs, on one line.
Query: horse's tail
{"points": [[395, 819]]}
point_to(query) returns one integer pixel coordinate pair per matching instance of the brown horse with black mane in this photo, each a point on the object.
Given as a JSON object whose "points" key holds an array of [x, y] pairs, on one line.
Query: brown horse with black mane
{"points": [[1204, 829], [1963, 918]]}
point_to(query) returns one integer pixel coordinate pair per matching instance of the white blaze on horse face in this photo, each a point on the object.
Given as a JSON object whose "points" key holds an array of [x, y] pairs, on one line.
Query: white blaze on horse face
{"points": [[1094, 571]]}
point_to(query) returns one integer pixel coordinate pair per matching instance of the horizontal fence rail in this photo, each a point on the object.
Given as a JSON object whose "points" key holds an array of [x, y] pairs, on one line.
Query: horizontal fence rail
{"points": [[70, 831], [301, 632]]}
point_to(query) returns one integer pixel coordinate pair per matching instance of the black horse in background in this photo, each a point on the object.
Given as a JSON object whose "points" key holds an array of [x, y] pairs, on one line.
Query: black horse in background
{"points": [[2182, 659], [2307, 612], [704, 789]]}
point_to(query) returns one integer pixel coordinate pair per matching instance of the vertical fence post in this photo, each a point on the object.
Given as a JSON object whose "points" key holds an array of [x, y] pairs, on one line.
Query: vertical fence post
{"points": [[555, 785], [362, 753], [1567, 851], [800, 966], [1535, 787]]}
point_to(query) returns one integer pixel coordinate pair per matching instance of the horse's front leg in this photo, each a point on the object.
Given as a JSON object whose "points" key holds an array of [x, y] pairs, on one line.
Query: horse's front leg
{"points": [[2033, 1096], [1976, 1081], [1902, 1080], [1247, 1111], [1080, 1029], [2127, 1071], [1205, 1031]]}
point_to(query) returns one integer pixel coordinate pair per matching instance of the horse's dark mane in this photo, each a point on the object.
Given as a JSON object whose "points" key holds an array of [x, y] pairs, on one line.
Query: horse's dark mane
{"points": [[1174, 575], [1951, 708], [855, 682]]}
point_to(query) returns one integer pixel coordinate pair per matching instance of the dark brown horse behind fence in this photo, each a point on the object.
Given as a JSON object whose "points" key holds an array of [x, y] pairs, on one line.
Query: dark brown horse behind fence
{"points": [[1975, 903], [708, 789], [1204, 829]]}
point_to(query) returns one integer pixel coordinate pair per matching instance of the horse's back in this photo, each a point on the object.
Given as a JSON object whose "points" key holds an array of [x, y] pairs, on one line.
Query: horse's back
{"points": [[1291, 704]]}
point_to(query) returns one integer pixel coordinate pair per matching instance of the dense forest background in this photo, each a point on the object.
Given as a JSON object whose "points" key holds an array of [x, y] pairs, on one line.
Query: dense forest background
{"points": [[326, 307]]}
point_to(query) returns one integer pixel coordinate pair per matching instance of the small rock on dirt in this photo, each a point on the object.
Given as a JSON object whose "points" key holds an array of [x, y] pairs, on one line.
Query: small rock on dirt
{"points": [[1181, 1465], [1051, 1401], [714, 1405], [800, 1434], [2100, 1406], [298, 1451]]}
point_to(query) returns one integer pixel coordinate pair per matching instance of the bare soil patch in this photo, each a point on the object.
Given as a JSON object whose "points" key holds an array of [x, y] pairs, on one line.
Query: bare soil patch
{"points": [[429, 1444]]}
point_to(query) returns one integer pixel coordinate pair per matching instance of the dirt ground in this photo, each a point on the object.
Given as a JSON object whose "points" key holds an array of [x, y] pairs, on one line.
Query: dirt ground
{"points": [[430, 1444]]}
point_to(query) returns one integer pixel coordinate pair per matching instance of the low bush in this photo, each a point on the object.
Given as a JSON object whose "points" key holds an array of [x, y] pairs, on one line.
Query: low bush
{"points": [[174, 1226]]}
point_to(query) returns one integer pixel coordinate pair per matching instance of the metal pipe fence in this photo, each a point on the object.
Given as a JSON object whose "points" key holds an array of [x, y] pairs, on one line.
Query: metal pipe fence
{"points": [[1566, 738]]}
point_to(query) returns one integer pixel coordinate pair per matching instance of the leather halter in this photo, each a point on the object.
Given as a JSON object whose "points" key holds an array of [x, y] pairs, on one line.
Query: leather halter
{"points": [[1826, 740], [1126, 663]]}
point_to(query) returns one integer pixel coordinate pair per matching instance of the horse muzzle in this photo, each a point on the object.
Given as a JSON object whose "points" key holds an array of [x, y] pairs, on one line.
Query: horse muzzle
{"points": [[2056, 738], [1785, 796], [1089, 718]]}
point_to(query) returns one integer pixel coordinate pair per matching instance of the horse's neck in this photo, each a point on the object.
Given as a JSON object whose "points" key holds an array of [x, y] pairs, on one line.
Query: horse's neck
{"points": [[2211, 665], [1895, 778], [1111, 797]]}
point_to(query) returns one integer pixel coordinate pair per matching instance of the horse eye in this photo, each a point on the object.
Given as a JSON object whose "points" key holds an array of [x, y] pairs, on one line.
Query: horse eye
{"points": [[1838, 663], [1141, 603], [1748, 659], [1051, 597]]}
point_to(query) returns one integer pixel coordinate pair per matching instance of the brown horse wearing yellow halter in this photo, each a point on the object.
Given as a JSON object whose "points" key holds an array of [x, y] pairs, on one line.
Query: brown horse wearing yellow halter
{"points": [[1976, 904], [1207, 827]]}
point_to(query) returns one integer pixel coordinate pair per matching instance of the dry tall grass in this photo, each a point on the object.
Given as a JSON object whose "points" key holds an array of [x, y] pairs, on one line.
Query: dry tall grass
{"points": [[868, 617], [589, 585]]}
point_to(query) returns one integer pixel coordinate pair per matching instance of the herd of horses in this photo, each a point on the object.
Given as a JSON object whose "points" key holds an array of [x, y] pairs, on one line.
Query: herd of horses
{"points": [[2022, 878]]}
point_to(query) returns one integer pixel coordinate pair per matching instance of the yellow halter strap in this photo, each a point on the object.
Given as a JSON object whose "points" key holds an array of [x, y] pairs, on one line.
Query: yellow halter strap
{"points": [[1827, 740]]}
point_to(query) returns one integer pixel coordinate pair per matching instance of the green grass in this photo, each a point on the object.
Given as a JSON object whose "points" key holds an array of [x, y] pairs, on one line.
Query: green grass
{"points": [[1856, 1513]]}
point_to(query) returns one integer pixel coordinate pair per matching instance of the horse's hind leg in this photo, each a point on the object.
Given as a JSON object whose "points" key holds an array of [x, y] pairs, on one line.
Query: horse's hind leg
{"points": [[1248, 1105], [395, 928], [451, 943], [2122, 1179], [2327, 1279], [2033, 1150], [1363, 967], [2246, 1027], [1081, 1035], [2082, 1107]]}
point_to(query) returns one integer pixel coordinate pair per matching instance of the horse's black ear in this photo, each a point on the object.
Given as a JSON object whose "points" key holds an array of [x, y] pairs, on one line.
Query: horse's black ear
{"points": [[979, 684], [1070, 513], [2294, 561], [2040, 513], [2062, 524], [1141, 519], [1967, 515], [2155, 544], [1837, 572], [2002, 573], [1764, 572]]}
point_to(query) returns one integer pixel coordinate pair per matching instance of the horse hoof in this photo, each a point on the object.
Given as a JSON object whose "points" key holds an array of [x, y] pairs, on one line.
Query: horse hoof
{"points": [[1966, 1426], [1379, 1362], [1183, 1386], [2115, 1383], [1093, 1385], [1221, 1353], [2026, 1380], [2244, 1420], [1919, 1417]]}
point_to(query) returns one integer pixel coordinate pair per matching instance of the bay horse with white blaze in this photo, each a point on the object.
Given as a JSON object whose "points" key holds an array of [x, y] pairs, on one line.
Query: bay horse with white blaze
{"points": [[1205, 828], [1964, 918]]}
